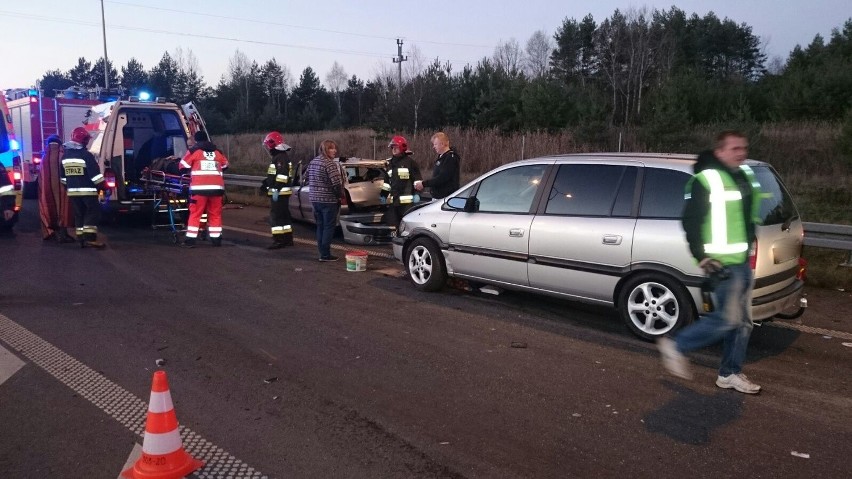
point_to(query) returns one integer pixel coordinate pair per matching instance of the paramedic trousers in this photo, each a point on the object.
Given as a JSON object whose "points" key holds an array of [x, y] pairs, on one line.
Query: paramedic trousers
{"points": [[198, 205]]}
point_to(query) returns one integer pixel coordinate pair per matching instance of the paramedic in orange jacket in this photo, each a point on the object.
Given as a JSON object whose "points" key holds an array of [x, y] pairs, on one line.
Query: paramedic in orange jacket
{"points": [[206, 188], [54, 207]]}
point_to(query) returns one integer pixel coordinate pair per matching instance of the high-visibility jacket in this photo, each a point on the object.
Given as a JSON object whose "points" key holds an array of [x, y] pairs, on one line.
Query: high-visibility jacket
{"points": [[206, 165], [279, 175], [724, 230], [80, 172]]}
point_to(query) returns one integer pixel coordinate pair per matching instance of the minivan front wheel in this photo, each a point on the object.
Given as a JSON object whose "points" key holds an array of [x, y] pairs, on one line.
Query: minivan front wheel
{"points": [[425, 265], [653, 305]]}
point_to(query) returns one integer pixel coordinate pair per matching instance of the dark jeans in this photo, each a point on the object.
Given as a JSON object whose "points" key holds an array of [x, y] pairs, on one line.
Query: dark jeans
{"points": [[325, 215], [729, 323]]}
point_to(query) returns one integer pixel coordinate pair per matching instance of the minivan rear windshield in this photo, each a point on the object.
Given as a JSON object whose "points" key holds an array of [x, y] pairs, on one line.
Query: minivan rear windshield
{"points": [[777, 206]]}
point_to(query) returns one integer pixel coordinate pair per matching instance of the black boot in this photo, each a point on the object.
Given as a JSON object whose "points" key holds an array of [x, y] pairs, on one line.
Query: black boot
{"points": [[276, 245], [64, 237], [216, 241]]}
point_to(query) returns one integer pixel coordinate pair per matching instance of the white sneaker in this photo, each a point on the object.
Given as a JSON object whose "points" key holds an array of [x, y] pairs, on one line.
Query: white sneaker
{"points": [[739, 382], [673, 360]]}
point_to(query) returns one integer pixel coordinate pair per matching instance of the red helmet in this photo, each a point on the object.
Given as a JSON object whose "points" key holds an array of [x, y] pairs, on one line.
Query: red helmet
{"points": [[399, 142], [275, 141], [80, 135]]}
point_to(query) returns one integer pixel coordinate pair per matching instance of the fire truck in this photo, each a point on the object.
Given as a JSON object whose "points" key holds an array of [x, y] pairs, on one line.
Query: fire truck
{"points": [[10, 157], [35, 117]]}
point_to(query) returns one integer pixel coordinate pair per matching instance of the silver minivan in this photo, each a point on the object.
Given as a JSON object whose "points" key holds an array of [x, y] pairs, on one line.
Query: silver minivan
{"points": [[600, 228]]}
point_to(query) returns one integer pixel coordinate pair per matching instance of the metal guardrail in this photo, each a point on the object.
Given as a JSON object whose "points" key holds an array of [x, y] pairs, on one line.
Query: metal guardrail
{"points": [[822, 235], [243, 180]]}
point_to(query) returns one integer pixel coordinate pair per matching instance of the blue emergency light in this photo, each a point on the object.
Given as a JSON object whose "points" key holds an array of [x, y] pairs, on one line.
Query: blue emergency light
{"points": [[13, 144], [32, 93], [144, 96]]}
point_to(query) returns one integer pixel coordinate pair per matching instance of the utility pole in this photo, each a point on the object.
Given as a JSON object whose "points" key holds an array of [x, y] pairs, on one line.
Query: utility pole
{"points": [[106, 61], [399, 59]]}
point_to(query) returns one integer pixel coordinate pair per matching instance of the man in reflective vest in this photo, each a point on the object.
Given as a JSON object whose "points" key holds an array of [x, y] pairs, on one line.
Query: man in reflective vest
{"points": [[82, 178], [279, 182], [719, 217], [206, 189]]}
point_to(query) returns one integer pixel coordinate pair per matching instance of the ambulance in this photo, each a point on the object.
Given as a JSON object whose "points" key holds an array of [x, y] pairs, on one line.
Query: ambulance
{"points": [[10, 157]]}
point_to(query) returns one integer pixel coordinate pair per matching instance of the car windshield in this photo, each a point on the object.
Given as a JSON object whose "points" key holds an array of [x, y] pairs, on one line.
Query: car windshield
{"points": [[777, 206]]}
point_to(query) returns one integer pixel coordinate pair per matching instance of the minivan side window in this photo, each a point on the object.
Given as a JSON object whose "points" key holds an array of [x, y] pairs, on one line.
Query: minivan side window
{"points": [[510, 191], [662, 196], [592, 190]]}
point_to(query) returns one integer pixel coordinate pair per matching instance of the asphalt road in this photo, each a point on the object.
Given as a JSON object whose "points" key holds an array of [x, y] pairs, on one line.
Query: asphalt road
{"points": [[281, 366]]}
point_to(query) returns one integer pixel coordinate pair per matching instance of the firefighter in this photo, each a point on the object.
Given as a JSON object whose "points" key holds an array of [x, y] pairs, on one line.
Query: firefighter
{"points": [[54, 207], [83, 179], [398, 190], [206, 189], [7, 201], [279, 182]]}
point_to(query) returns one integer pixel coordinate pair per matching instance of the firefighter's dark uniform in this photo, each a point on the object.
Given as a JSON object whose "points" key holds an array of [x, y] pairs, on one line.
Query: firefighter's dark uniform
{"points": [[399, 187], [279, 177], [82, 178]]}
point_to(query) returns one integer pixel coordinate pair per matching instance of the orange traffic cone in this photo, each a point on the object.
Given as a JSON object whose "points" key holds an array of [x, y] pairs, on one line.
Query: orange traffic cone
{"points": [[163, 456]]}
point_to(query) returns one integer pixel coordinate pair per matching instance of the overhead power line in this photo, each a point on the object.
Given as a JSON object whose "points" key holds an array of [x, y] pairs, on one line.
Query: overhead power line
{"points": [[290, 25]]}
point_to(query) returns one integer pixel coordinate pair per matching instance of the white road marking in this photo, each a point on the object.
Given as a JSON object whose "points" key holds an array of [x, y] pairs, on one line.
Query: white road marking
{"points": [[135, 454], [9, 364], [117, 402], [809, 329]]}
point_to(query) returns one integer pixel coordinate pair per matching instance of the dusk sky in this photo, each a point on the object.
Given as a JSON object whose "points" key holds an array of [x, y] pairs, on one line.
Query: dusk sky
{"points": [[42, 35]]}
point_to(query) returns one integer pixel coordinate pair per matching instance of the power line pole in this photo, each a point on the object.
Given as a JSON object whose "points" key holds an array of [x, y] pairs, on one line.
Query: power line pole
{"points": [[106, 61], [399, 59]]}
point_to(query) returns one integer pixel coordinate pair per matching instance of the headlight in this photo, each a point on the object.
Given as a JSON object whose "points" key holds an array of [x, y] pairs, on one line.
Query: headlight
{"points": [[401, 230]]}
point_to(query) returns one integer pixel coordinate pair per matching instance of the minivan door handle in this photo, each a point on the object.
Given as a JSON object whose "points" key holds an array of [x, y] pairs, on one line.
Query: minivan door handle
{"points": [[612, 239], [516, 232]]}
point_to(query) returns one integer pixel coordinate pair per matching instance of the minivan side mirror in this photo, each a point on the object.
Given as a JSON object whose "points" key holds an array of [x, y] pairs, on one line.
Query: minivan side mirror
{"points": [[468, 205]]}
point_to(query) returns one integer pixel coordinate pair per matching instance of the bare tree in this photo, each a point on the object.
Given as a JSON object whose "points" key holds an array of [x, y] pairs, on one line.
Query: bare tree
{"points": [[336, 80], [643, 49], [414, 77], [239, 75], [539, 48], [508, 57]]}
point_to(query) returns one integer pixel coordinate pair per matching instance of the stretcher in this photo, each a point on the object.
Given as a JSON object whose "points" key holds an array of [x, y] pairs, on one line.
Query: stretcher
{"points": [[170, 193]]}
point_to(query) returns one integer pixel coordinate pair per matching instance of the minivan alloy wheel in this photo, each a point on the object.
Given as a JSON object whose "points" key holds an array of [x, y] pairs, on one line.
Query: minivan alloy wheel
{"points": [[653, 305], [425, 266]]}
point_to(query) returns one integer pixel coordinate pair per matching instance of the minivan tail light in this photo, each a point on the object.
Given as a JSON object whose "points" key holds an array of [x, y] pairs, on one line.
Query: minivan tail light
{"points": [[802, 273], [109, 178], [36, 160], [752, 256]]}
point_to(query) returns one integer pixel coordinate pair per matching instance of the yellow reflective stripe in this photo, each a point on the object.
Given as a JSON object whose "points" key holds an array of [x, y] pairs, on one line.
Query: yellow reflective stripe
{"points": [[280, 230], [403, 199], [386, 187], [282, 178], [403, 173], [271, 170], [73, 161], [4, 190], [718, 214]]}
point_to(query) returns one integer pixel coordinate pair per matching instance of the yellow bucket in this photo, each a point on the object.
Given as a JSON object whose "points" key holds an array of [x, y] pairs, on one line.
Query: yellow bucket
{"points": [[356, 261]]}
